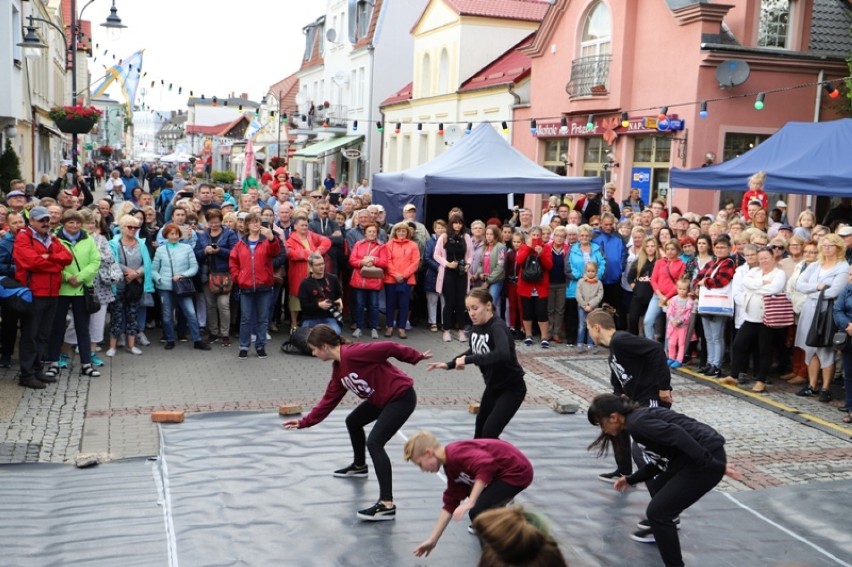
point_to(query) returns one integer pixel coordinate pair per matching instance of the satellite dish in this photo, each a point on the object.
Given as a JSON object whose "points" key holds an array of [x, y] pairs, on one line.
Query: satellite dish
{"points": [[452, 134], [341, 78], [732, 72], [331, 35]]}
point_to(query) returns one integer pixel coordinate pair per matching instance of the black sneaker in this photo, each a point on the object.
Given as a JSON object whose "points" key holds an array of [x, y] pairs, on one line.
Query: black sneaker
{"points": [[645, 525], [643, 536], [31, 382], [243, 355], [609, 476], [807, 392], [352, 471], [825, 396], [261, 353], [5, 361], [713, 372], [377, 512], [169, 345], [201, 345]]}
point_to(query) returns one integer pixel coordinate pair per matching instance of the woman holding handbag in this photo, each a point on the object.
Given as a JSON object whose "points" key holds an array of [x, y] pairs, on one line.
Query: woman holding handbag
{"points": [[717, 276], [759, 283], [213, 248], [366, 281], [172, 270], [400, 259], [822, 282], [843, 320]]}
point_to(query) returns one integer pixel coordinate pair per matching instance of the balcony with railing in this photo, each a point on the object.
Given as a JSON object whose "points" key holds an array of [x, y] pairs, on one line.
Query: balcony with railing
{"points": [[331, 117], [589, 76]]}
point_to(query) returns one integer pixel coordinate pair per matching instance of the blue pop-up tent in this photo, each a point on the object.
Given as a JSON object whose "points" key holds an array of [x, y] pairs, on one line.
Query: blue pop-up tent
{"points": [[802, 157], [482, 162]]}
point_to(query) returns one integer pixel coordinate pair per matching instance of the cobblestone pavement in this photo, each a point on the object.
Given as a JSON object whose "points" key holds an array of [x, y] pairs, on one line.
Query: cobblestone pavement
{"points": [[774, 439]]}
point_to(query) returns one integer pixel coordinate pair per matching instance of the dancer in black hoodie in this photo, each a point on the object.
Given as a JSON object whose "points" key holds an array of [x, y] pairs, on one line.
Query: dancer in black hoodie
{"points": [[493, 350], [684, 460], [638, 369]]}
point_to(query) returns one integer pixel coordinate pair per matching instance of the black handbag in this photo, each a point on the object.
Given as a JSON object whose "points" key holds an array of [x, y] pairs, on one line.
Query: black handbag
{"points": [[822, 329], [841, 341], [181, 286], [93, 304], [134, 289]]}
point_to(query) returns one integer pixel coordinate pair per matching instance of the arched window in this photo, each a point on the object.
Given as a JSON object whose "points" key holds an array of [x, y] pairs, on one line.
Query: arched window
{"points": [[426, 76], [444, 73], [590, 71]]}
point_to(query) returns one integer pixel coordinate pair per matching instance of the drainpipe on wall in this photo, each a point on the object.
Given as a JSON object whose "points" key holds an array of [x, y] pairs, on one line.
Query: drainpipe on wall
{"points": [[368, 143]]}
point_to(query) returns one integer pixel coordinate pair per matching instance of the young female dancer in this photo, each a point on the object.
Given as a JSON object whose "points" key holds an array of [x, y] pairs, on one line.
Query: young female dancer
{"points": [[389, 399], [493, 350], [683, 460]]}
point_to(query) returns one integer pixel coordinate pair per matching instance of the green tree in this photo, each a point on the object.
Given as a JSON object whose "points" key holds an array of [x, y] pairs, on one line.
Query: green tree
{"points": [[225, 176], [10, 167]]}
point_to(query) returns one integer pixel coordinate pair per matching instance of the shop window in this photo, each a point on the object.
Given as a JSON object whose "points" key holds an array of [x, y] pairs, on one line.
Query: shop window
{"points": [[555, 154], [594, 157], [774, 28], [654, 153], [737, 144]]}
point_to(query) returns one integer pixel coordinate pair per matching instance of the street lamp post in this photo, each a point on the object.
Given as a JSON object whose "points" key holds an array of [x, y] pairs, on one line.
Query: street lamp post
{"points": [[32, 42]]}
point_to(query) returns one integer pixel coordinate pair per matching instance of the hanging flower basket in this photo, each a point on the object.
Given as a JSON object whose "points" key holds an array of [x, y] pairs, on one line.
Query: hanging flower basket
{"points": [[105, 150], [77, 119]]}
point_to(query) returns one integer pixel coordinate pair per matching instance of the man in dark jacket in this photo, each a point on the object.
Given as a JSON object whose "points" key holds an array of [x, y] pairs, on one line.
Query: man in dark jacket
{"points": [[329, 228], [321, 296], [638, 370], [39, 260]]}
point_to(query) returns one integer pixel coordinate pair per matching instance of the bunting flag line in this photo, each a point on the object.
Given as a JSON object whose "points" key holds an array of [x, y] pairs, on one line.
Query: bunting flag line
{"points": [[124, 75]]}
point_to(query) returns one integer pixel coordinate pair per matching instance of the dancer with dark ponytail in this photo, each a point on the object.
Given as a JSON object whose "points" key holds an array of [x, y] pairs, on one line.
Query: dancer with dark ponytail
{"points": [[389, 400], [493, 350], [683, 460]]}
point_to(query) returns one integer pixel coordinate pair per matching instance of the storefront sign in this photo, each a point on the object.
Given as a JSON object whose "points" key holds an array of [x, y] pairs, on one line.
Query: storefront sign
{"points": [[578, 128], [352, 153], [641, 179]]}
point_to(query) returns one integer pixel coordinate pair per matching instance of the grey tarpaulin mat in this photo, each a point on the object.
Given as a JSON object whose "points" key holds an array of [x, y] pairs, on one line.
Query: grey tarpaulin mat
{"points": [[240, 490], [53, 514]]}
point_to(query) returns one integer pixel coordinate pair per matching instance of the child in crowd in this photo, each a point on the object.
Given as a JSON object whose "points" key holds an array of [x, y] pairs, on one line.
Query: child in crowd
{"points": [[589, 297], [488, 472], [678, 313]]}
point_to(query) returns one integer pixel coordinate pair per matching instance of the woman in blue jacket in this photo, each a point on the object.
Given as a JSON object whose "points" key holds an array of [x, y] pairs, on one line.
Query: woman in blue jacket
{"points": [[212, 250], [843, 320], [582, 251], [175, 260]]}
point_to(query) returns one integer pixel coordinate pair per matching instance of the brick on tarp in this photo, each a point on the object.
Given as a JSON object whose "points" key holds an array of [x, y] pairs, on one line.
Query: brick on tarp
{"points": [[167, 416], [289, 409], [473, 407], [565, 406]]}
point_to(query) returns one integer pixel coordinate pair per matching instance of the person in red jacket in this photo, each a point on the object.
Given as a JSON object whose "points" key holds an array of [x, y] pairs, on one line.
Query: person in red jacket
{"points": [[301, 244], [250, 264], [39, 261], [755, 193], [389, 399], [400, 259], [533, 294]]}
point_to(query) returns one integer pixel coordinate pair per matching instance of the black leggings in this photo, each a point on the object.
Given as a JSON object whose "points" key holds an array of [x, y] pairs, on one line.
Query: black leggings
{"points": [[672, 492], [747, 335], [572, 321], [454, 290], [496, 409], [389, 420], [498, 493], [535, 309]]}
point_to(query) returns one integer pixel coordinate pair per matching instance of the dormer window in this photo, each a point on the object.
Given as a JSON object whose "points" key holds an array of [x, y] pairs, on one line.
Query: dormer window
{"points": [[310, 34], [364, 10], [774, 29]]}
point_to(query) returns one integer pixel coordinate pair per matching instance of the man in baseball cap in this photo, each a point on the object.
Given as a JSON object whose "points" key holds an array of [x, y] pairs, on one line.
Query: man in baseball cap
{"points": [[421, 235]]}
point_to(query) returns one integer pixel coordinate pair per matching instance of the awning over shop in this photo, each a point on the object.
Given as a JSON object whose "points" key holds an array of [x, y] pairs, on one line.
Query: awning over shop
{"points": [[48, 125], [325, 147]]}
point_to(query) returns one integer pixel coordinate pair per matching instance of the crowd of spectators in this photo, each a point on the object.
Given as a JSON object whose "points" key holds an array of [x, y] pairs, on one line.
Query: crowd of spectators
{"points": [[208, 263]]}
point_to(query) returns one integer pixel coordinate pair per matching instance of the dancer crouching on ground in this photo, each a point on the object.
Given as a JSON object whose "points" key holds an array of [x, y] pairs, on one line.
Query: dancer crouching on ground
{"points": [[493, 350], [389, 399], [684, 460]]}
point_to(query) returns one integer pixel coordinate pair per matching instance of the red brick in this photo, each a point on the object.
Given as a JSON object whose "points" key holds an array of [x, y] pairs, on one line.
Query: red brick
{"points": [[289, 409], [166, 416]]}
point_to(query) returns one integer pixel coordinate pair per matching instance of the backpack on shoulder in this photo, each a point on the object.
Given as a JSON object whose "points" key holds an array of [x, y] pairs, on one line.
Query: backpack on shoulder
{"points": [[532, 272]]}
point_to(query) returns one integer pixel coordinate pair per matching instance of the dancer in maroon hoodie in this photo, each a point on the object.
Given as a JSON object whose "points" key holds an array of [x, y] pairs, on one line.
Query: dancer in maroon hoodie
{"points": [[389, 399]]}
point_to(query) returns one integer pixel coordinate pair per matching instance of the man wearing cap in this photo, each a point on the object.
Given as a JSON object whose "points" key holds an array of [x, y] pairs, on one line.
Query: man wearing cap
{"points": [[39, 261], [782, 206], [421, 235], [16, 198], [845, 232]]}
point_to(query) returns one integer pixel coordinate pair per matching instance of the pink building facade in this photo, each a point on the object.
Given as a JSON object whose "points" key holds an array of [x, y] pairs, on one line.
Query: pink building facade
{"points": [[604, 71]]}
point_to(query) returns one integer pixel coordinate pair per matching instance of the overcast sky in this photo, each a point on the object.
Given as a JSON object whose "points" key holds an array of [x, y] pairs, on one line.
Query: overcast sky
{"points": [[210, 48]]}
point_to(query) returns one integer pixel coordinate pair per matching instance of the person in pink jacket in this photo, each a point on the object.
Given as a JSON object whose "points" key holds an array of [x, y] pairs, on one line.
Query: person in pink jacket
{"points": [[667, 271], [454, 253], [400, 259], [677, 323], [388, 400], [365, 290]]}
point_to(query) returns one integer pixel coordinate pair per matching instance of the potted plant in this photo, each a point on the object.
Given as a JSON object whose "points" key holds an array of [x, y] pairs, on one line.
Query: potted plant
{"points": [[77, 119]]}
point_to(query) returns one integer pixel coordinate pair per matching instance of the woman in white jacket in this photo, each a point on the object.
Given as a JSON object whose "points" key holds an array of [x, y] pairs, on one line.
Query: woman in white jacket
{"points": [[764, 280]]}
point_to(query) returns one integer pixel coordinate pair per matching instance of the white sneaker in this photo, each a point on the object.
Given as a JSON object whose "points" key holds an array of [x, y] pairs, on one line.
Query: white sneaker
{"points": [[374, 334], [142, 339], [447, 337], [462, 337], [356, 333], [135, 350], [110, 352]]}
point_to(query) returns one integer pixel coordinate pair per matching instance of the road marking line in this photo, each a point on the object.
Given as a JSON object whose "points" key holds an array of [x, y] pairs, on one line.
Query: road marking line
{"points": [[787, 531]]}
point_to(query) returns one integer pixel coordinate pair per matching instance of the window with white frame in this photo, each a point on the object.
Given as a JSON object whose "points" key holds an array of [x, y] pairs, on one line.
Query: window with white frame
{"points": [[597, 32], [426, 76], [774, 29], [364, 11]]}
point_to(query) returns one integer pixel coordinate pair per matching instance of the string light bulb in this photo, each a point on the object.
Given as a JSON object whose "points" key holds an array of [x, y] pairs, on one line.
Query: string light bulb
{"points": [[419, 126], [380, 127], [533, 127], [505, 127], [590, 123], [703, 109], [354, 125], [284, 118], [831, 90], [563, 125], [625, 120], [326, 124], [664, 112], [469, 128], [398, 128], [440, 128], [758, 103]]}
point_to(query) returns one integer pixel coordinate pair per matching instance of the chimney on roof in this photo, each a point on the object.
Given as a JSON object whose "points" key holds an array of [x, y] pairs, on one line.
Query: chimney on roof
{"points": [[244, 96]]}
